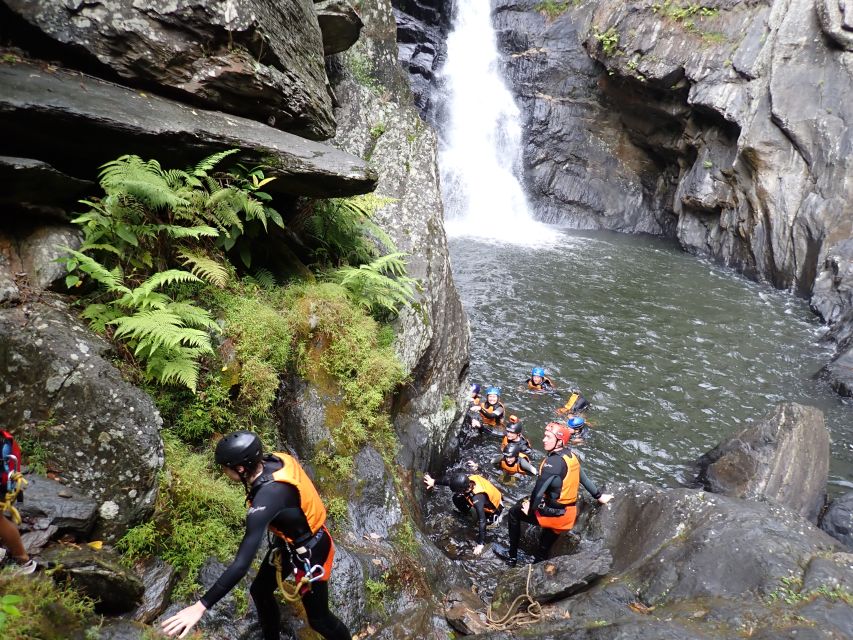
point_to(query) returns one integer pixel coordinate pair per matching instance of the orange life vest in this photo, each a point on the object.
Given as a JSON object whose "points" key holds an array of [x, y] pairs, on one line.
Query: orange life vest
{"points": [[515, 468], [568, 496], [493, 494], [312, 506], [539, 387], [489, 420]]}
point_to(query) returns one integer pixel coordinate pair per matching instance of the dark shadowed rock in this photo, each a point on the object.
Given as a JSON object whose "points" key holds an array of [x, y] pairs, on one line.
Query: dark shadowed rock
{"points": [[465, 611], [553, 579], [97, 574], [50, 503], [99, 121], [339, 23], [262, 59], [784, 457], [837, 521], [39, 190], [102, 433], [158, 578], [123, 630]]}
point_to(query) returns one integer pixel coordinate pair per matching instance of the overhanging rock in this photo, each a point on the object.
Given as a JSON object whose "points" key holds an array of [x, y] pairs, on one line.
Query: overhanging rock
{"points": [[72, 120]]}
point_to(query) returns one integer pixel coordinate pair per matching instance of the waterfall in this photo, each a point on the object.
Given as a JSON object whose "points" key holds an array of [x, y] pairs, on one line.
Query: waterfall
{"points": [[480, 156]]}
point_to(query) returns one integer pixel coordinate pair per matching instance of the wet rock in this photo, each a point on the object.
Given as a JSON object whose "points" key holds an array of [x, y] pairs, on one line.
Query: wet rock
{"points": [[262, 59], [97, 574], [123, 630], [102, 434], [38, 190], [838, 519], [829, 573], [836, 21], [40, 252], [683, 544], [784, 457], [374, 508], [49, 504], [465, 611], [553, 579], [432, 335], [420, 622], [339, 23], [10, 266], [158, 578], [301, 410], [100, 121]]}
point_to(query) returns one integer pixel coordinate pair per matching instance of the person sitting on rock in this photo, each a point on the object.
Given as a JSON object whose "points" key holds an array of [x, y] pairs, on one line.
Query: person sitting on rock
{"points": [[514, 461], [473, 492], [282, 500], [10, 537], [575, 404], [491, 414], [552, 504], [538, 381]]}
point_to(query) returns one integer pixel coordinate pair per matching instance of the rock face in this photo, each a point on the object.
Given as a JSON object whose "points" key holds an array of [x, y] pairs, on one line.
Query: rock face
{"points": [[377, 122], [102, 433], [422, 27], [724, 124], [340, 24], [99, 121], [784, 457], [37, 191], [262, 59]]}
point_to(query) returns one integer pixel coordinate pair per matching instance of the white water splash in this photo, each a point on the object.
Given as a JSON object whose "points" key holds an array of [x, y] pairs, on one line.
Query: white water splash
{"points": [[482, 147]]}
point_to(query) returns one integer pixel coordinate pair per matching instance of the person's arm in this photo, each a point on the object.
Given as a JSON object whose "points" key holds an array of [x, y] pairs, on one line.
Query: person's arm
{"points": [[595, 492], [527, 466], [443, 480], [479, 504]]}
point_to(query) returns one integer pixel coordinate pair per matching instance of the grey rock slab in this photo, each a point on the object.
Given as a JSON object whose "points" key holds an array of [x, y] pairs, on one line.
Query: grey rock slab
{"points": [[158, 578], [38, 189], [101, 120], [339, 23], [48, 501], [262, 59], [783, 457]]}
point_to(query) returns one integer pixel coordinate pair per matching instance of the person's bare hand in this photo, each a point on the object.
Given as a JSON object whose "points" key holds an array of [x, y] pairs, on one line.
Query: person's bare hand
{"points": [[184, 620], [525, 506], [478, 549], [429, 481], [605, 498]]}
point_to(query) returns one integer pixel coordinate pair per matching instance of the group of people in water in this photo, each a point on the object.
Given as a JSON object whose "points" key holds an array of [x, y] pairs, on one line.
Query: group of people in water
{"points": [[552, 504]]}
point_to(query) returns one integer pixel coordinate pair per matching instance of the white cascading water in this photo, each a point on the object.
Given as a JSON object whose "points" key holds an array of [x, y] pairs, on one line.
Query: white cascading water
{"points": [[482, 141]]}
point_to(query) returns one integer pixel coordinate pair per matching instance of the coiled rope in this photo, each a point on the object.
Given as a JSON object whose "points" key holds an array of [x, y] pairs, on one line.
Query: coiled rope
{"points": [[514, 618]]}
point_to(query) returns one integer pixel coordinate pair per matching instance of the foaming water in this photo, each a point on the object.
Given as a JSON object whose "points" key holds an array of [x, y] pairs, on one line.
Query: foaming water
{"points": [[675, 353], [481, 147]]}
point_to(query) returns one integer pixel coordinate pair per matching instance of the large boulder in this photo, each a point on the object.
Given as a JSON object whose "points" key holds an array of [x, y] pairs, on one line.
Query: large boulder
{"points": [[339, 23], [783, 457], [99, 121], [101, 432], [837, 521], [262, 59]]}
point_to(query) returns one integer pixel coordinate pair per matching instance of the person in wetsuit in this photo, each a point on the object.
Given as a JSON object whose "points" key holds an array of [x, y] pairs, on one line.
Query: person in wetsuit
{"points": [[491, 415], [283, 500], [538, 381], [512, 435], [515, 461], [575, 404], [552, 504], [472, 492]]}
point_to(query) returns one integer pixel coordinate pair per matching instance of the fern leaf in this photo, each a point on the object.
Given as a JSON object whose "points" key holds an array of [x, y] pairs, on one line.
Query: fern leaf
{"points": [[177, 231], [193, 316], [176, 368], [208, 163], [163, 278], [112, 280], [205, 267]]}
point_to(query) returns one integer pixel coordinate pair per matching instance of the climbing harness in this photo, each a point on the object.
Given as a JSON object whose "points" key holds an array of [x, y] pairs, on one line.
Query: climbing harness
{"points": [[15, 483], [302, 585], [514, 618]]}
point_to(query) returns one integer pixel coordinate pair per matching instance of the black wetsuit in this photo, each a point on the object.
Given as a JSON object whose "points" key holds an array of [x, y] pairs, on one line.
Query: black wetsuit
{"points": [[478, 502], [544, 497], [278, 504], [545, 385]]}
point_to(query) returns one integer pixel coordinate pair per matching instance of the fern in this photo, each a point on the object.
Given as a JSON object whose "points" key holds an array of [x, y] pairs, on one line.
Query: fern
{"points": [[345, 231], [205, 267], [380, 286]]}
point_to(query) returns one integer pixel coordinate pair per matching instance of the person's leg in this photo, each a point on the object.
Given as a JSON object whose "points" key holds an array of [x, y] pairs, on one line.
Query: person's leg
{"points": [[514, 520], [322, 620], [461, 504], [546, 539], [11, 539], [263, 594]]}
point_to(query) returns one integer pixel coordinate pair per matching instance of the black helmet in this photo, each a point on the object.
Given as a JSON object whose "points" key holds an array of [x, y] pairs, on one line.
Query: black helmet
{"points": [[459, 483], [241, 448], [513, 449], [513, 427]]}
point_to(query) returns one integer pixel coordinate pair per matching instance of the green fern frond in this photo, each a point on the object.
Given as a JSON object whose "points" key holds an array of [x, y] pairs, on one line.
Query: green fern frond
{"points": [[175, 367], [205, 267], [264, 278], [112, 280], [100, 315], [208, 163], [380, 286], [160, 328], [193, 316], [178, 232], [164, 278]]}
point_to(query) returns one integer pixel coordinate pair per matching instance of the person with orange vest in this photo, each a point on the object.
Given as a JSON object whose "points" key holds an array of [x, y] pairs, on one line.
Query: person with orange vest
{"points": [[538, 381], [282, 500], [575, 404], [515, 461], [552, 504], [473, 492], [491, 415]]}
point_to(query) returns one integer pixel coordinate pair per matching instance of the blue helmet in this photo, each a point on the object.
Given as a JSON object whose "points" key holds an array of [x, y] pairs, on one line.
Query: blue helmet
{"points": [[576, 422], [475, 389], [538, 371], [493, 391]]}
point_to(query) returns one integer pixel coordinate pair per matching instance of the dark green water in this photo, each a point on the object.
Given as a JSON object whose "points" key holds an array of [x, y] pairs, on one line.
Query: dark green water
{"points": [[675, 353]]}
